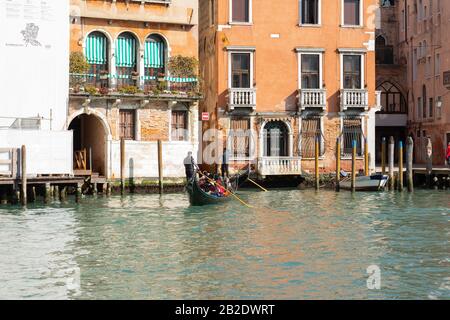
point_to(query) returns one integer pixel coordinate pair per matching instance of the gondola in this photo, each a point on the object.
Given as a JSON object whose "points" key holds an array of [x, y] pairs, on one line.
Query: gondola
{"points": [[198, 197]]}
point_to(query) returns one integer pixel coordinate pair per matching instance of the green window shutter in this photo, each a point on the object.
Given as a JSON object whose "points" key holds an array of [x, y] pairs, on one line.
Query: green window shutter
{"points": [[125, 52], [154, 54], [95, 49]]}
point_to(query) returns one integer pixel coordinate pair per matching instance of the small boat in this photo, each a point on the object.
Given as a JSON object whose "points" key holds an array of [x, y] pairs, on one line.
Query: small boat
{"points": [[198, 197], [376, 182]]}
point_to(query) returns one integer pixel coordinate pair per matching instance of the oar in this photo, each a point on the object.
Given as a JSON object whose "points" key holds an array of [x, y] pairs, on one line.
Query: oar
{"points": [[214, 182], [262, 188]]}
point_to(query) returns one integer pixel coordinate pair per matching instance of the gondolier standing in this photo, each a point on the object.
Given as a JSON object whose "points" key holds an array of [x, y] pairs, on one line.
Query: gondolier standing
{"points": [[225, 163], [189, 166]]}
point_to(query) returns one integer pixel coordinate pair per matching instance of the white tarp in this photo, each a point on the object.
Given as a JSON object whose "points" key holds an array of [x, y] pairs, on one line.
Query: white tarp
{"points": [[34, 61]]}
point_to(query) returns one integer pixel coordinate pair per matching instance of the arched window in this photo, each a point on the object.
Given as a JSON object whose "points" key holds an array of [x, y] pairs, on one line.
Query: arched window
{"points": [[392, 99], [96, 51], [126, 57], [276, 139], [384, 54], [155, 56]]}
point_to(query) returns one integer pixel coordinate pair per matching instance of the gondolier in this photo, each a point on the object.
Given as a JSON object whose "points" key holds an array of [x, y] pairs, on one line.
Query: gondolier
{"points": [[189, 164], [225, 163]]}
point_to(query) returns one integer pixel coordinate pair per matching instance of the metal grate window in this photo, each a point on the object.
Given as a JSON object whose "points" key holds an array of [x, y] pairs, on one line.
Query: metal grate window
{"points": [[352, 131], [240, 137], [311, 130]]}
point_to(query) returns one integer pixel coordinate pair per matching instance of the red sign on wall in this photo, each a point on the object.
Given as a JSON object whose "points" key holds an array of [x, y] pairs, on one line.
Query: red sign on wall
{"points": [[205, 116]]}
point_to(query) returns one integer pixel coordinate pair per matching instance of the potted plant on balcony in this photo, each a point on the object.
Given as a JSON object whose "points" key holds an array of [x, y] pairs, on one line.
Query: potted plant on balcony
{"points": [[78, 67], [135, 76], [161, 77], [104, 90], [104, 75]]}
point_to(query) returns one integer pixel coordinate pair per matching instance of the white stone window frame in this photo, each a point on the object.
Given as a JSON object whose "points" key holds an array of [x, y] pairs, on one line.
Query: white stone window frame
{"points": [[310, 51], [250, 14], [355, 52], [234, 50], [319, 18], [361, 16]]}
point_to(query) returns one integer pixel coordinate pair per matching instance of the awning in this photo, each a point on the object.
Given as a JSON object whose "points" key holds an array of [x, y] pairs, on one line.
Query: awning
{"points": [[95, 49], [154, 54], [125, 52]]}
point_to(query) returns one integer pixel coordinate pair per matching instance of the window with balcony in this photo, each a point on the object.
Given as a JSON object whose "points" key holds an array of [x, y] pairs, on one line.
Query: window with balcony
{"points": [[310, 12], [240, 11], [352, 72], [392, 99], [126, 57], [310, 69], [179, 130], [96, 51], [127, 124], [351, 14], [276, 139], [240, 70], [155, 57], [239, 137]]}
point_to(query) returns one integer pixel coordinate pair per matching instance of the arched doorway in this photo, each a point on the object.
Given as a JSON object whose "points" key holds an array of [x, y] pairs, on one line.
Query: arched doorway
{"points": [[89, 145], [276, 139]]}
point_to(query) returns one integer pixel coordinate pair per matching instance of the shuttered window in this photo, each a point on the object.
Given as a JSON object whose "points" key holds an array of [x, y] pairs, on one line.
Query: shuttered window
{"points": [[240, 137], [311, 130], [240, 11], [95, 48], [179, 125], [127, 124]]}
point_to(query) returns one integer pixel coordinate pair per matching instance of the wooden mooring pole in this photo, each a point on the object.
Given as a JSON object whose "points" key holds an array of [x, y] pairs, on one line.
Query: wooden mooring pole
{"points": [[400, 166], [353, 166], [23, 160], [122, 166], [160, 168], [47, 193], [409, 162], [366, 157], [391, 149], [316, 157], [383, 155], [338, 164]]}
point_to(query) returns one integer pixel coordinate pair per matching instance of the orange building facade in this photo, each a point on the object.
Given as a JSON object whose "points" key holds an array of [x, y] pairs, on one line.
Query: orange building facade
{"points": [[293, 74]]}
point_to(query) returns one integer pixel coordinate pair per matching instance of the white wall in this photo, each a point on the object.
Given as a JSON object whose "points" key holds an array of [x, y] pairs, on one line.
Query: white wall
{"points": [[34, 78], [48, 152], [144, 157]]}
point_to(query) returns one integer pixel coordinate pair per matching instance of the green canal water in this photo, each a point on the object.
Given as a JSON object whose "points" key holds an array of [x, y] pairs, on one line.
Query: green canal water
{"points": [[292, 245]]}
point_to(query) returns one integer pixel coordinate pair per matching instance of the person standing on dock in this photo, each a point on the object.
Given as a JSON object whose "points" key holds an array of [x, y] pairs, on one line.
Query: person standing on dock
{"points": [[448, 154], [189, 166]]}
